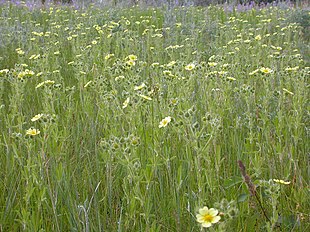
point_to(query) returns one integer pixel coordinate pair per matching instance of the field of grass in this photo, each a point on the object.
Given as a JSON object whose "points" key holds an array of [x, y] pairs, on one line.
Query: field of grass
{"points": [[134, 119]]}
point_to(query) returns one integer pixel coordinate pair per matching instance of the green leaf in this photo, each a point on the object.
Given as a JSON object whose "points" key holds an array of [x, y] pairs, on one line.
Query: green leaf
{"points": [[242, 197], [288, 221]]}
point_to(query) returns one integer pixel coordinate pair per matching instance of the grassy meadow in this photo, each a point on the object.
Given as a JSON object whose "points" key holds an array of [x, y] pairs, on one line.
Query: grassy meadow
{"points": [[134, 119]]}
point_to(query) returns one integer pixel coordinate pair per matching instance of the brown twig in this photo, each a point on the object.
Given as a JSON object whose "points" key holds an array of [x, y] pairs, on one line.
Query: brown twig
{"points": [[251, 187]]}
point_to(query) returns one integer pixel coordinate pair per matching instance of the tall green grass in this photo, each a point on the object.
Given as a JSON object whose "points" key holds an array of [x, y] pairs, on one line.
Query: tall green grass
{"points": [[235, 85]]}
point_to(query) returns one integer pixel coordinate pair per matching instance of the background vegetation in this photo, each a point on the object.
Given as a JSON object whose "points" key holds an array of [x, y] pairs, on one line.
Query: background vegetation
{"points": [[82, 95]]}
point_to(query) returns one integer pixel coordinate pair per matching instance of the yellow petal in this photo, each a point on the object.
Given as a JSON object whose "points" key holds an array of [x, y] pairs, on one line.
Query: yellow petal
{"points": [[206, 224], [200, 219], [216, 219], [213, 212], [203, 210]]}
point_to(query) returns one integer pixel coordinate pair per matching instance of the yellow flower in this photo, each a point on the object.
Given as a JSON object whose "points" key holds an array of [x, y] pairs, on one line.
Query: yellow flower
{"points": [[281, 181], [212, 64], [207, 217], [171, 64], [155, 64], [167, 72], [266, 70], [145, 97], [108, 56], [32, 132], [190, 67], [131, 63], [254, 72], [258, 37], [222, 73], [26, 73], [36, 117], [164, 122], [119, 78], [231, 78], [132, 57], [126, 102], [48, 82], [20, 51], [292, 69], [4, 71], [140, 87], [178, 24]]}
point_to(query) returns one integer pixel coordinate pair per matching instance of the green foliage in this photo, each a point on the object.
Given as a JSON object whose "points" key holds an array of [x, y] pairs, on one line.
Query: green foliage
{"points": [[134, 119]]}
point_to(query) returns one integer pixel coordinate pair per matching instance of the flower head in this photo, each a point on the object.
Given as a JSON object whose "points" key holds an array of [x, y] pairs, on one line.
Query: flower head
{"points": [[4, 71], [32, 132], [212, 64], [20, 51], [37, 117], [139, 87], [207, 217], [132, 57], [254, 72], [108, 56], [130, 63], [281, 181], [266, 70], [126, 102], [145, 97], [258, 37], [164, 122], [47, 82], [190, 67]]}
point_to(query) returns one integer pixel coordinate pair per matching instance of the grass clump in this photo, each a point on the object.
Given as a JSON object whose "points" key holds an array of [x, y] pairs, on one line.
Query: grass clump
{"points": [[134, 119]]}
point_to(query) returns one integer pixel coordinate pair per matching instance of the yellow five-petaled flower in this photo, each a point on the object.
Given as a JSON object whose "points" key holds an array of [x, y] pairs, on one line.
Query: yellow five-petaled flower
{"points": [[190, 67], [164, 122], [266, 70], [207, 217], [32, 132]]}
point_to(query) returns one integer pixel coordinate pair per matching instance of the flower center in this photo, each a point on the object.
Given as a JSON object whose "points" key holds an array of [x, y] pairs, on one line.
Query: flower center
{"points": [[207, 218]]}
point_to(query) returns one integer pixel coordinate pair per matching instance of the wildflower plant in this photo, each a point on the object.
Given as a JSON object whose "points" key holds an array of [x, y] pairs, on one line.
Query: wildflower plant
{"points": [[165, 122], [207, 216], [32, 132], [124, 119]]}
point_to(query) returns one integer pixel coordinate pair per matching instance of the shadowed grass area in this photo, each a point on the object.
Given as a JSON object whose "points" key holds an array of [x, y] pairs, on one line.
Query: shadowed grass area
{"points": [[134, 119]]}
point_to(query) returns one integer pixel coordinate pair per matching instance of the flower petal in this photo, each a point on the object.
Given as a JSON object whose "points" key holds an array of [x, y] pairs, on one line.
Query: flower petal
{"points": [[200, 219], [206, 224], [216, 219], [203, 210], [213, 212]]}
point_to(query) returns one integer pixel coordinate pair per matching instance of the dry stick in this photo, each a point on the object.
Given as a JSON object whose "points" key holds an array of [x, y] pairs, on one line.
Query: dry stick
{"points": [[251, 187]]}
